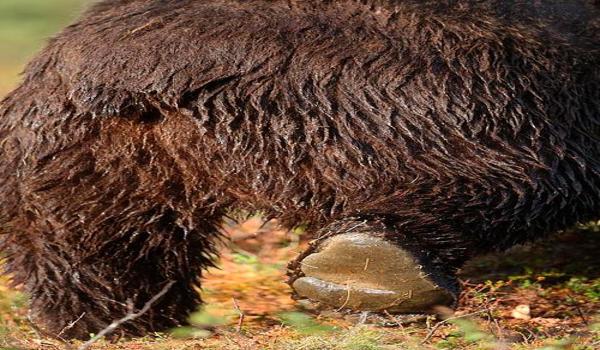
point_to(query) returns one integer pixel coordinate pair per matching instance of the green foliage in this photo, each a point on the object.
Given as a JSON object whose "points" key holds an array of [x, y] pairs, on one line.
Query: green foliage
{"points": [[190, 332], [200, 324], [251, 260], [300, 229], [467, 333], [303, 324], [24, 24], [241, 257], [589, 288], [207, 319], [471, 331]]}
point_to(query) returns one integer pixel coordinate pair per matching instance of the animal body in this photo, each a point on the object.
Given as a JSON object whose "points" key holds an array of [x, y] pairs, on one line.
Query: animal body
{"points": [[426, 132]]}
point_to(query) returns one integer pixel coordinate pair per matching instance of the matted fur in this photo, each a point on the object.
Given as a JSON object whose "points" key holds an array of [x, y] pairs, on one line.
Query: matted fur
{"points": [[465, 126]]}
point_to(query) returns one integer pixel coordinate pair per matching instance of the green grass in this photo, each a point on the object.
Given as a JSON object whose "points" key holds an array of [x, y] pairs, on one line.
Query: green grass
{"points": [[25, 25]]}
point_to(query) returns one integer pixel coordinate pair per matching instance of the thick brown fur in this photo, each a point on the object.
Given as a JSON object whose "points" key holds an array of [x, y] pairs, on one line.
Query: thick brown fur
{"points": [[465, 126]]}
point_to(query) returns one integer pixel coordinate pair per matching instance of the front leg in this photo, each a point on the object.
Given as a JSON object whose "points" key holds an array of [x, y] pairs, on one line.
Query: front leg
{"points": [[353, 265]]}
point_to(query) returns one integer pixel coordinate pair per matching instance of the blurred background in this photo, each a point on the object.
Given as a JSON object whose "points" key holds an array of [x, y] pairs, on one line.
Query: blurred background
{"points": [[25, 25]]}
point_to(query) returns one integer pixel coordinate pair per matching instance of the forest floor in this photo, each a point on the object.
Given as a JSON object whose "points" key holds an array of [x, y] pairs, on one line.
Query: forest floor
{"points": [[539, 296]]}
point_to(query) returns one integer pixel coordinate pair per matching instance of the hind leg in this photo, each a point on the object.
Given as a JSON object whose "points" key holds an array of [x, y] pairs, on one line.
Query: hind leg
{"points": [[356, 266], [95, 282], [101, 220]]}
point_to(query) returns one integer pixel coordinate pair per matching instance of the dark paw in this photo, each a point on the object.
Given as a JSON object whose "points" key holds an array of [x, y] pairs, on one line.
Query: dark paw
{"points": [[362, 272]]}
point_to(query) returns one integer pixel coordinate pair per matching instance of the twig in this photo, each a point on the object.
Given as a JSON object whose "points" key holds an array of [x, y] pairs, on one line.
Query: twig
{"points": [[578, 308], [528, 338], [129, 317], [347, 298], [439, 324], [491, 319], [363, 317], [392, 318], [70, 325], [241, 313], [401, 321]]}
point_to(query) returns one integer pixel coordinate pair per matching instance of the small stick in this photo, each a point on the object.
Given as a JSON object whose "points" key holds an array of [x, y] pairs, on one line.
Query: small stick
{"points": [[499, 333], [70, 325], [394, 320], [129, 317], [579, 311], [242, 316], [347, 298], [439, 324], [363, 317]]}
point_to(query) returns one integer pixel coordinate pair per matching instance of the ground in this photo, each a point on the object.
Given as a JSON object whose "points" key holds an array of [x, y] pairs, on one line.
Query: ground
{"points": [[540, 296]]}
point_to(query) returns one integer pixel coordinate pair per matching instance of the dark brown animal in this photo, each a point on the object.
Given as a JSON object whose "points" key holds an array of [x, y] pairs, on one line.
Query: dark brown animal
{"points": [[451, 128]]}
